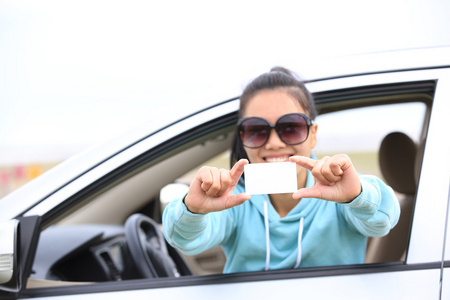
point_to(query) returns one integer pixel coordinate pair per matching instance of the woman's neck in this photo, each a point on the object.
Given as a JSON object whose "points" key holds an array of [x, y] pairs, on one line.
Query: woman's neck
{"points": [[284, 203]]}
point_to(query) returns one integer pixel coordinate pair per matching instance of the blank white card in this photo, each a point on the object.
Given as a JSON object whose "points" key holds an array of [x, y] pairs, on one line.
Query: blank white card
{"points": [[270, 178]]}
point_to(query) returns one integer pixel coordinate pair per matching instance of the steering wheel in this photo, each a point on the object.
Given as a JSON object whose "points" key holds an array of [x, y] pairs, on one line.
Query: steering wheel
{"points": [[148, 248]]}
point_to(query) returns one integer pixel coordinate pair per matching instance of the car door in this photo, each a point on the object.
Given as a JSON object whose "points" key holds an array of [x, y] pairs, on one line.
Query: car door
{"points": [[418, 276]]}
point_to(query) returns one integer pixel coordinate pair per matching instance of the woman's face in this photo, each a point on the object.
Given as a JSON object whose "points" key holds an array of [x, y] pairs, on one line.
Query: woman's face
{"points": [[271, 105]]}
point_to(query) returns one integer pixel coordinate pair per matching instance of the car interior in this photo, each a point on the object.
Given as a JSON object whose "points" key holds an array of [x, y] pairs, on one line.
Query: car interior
{"points": [[100, 235]]}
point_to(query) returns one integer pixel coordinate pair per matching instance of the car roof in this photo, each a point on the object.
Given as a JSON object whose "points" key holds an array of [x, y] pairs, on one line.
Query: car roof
{"points": [[364, 63]]}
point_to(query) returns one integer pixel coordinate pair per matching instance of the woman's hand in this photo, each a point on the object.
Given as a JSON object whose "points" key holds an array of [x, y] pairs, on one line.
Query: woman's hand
{"points": [[335, 178], [212, 189]]}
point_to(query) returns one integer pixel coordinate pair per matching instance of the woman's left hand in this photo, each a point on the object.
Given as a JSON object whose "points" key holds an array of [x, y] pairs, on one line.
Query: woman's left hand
{"points": [[335, 178]]}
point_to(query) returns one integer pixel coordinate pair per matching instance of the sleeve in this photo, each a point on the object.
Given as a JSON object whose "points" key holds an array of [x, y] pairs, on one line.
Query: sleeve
{"points": [[194, 233], [375, 211]]}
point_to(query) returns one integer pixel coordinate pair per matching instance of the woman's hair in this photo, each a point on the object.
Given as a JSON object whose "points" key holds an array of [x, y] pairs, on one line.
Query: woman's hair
{"points": [[278, 78]]}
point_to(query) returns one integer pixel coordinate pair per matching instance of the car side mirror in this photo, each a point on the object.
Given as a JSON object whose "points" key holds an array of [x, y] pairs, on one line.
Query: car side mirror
{"points": [[18, 245], [8, 255], [171, 192]]}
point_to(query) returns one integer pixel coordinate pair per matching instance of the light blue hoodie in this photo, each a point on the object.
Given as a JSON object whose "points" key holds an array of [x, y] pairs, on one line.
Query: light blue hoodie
{"points": [[314, 233]]}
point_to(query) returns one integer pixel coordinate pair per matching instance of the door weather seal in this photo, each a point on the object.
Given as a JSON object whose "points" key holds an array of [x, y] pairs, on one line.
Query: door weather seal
{"points": [[445, 243]]}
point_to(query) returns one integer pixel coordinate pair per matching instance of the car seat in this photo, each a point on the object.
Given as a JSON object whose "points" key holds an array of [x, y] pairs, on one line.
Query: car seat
{"points": [[399, 162]]}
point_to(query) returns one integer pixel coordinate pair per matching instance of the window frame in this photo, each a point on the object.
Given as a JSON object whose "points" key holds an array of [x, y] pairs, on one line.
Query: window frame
{"points": [[323, 91]]}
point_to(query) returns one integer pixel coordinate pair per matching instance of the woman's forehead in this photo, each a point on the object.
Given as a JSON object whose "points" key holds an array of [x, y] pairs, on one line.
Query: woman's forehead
{"points": [[271, 104]]}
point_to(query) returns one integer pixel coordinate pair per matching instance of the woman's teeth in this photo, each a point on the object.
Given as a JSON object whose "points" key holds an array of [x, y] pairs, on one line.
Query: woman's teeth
{"points": [[277, 159]]}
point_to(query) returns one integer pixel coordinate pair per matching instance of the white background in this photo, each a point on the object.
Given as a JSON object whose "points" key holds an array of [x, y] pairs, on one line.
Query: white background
{"points": [[75, 73]]}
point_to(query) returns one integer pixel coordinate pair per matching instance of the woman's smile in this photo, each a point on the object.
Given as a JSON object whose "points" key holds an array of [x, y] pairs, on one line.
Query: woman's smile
{"points": [[276, 158]]}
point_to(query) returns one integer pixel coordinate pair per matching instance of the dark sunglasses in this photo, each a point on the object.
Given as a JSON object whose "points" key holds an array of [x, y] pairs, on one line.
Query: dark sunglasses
{"points": [[293, 129]]}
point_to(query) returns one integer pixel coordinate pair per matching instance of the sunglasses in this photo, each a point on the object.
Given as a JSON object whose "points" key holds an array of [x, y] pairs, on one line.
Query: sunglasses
{"points": [[293, 129]]}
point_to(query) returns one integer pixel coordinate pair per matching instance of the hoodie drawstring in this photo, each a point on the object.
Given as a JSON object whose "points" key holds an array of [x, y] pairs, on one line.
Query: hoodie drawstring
{"points": [[266, 223], [299, 241]]}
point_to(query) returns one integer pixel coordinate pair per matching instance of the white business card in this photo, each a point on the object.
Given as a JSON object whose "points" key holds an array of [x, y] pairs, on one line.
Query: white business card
{"points": [[270, 178]]}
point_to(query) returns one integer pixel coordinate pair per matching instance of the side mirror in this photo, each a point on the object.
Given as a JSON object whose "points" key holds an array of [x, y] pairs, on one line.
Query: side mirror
{"points": [[18, 245], [8, 255], [171, 192]]}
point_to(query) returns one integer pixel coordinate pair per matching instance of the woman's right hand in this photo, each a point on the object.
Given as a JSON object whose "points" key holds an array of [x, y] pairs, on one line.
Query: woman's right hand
{"points": [[212, 189]]}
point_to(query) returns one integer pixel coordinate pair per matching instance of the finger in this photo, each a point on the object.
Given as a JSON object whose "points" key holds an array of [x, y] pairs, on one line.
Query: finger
{"points": [[312, 192], [237, 171], [225, 181], [235, 200], [209, 179], [336, 169], [331, 171], [216, 186], [204, 177], [315, 166], [303, 161], [343, 161], [321, 171]]}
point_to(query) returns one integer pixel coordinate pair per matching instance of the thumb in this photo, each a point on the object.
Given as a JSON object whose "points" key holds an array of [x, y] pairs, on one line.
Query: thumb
{"points": [[312, 192], [236, 200]]}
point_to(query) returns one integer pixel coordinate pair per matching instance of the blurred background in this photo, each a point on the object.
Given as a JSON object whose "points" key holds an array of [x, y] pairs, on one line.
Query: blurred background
{"points": [[77, 73]]}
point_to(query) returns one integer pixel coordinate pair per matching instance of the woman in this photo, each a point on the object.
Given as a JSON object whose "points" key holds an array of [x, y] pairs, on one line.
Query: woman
{"points": [[326, 222]]}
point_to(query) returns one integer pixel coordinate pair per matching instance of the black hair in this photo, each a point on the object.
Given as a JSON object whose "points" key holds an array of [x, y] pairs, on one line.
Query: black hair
{"points": [[278, 78]]}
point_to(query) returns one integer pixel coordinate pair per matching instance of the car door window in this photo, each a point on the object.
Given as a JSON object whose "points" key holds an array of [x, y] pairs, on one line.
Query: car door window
{"points": [[359, 132], [357, 129]]}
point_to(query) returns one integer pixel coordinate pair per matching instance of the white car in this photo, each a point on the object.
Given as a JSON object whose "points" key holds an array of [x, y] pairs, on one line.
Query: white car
{"points": [[90, 227]]}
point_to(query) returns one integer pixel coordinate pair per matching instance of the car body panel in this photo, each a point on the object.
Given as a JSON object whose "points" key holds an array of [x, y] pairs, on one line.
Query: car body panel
{"points": [[431, 208], [418, 284], [445, 294], [371, 63]]}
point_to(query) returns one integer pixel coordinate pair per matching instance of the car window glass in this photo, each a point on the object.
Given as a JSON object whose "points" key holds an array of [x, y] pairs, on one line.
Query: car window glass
{"points": [[359, 132]]}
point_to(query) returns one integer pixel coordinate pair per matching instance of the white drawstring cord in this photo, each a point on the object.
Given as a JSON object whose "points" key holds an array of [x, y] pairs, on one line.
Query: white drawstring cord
{"points": [[299, 252], [266, 222], [299, 241]]}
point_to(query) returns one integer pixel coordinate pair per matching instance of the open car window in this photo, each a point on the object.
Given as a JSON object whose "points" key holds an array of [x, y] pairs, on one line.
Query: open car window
{"points": [[353, 121], [359, 132]]}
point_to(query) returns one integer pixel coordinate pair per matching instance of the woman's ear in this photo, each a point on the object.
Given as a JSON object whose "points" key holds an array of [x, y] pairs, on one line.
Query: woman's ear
{"points": [[313, 135]]}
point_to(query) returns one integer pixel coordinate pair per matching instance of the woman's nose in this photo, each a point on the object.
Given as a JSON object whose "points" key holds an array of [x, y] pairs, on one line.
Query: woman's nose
{"points": [[274, 141]]}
